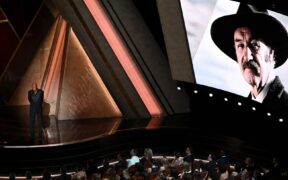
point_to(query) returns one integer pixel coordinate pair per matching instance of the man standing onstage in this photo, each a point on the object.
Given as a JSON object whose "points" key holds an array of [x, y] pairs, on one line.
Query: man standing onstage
{"points": [[35, 97], [258, 43]]}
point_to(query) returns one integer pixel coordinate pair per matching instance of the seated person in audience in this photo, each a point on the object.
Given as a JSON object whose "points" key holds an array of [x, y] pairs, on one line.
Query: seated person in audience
{"points": [[265, 171], [187, 173], [197, 175], [189, 155], [162, 174], [165, 162], [224, 173], [211, 167], [105, 166], [276, 169], [96, 176], [134, 158], [285, 174], [46, 175], [178, 160], [140, 171], [223, 160], [91, 167], [249, 170], [148, 155], [28, 175], [237, 169], [111, 173], [147, 160], [12, 176], [121, 164]]}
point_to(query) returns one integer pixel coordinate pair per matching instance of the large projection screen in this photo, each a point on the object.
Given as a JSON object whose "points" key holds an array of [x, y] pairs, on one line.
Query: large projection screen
{"points": [[212, 67], [186, 27]]}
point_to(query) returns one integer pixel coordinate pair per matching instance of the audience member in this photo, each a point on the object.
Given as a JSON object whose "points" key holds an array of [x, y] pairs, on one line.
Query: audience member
{"points": [[223, 160], [189, 155], [134, 158]]}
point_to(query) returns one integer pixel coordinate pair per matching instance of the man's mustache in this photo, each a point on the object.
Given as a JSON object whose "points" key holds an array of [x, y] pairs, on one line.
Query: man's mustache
{"points": [[252, 64]]}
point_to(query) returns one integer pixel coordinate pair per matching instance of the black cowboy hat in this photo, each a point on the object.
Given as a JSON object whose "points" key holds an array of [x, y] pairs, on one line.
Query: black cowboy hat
{"points": [[266, 27]]}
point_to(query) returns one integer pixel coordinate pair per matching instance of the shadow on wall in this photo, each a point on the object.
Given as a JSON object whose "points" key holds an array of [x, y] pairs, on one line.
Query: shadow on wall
{"points": [[46, 111]]}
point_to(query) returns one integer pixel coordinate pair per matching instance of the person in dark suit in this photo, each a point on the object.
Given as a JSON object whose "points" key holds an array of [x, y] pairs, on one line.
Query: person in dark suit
{"points": [[35, 97], [258, 42]]}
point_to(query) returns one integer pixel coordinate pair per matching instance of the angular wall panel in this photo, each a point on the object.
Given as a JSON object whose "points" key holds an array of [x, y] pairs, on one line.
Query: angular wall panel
{"points": [[83, 94], [35, 71], [146, 52], [103, 58], [73, 89], [124, 57], [8, 40], [52, 76], [24, 54]]}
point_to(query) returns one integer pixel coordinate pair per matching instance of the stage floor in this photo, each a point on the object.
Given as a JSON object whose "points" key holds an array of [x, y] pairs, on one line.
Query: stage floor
{"points": [[14, 127], [181, 129]]}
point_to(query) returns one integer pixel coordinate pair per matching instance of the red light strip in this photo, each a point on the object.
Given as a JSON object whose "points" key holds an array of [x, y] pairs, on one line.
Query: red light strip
{"points": [[124, 58], [154, 123], [57, 55]]}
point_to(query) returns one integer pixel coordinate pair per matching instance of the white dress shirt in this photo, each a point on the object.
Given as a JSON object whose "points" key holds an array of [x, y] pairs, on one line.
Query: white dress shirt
{"points": [[264, 91]]}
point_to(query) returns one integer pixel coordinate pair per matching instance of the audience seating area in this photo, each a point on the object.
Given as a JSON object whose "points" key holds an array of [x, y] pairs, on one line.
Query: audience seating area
{"points": [[108, 157], [184, 165]]}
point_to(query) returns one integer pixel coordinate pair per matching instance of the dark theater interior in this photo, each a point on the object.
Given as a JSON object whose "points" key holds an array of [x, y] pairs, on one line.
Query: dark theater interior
{"points": [[140, 89]]}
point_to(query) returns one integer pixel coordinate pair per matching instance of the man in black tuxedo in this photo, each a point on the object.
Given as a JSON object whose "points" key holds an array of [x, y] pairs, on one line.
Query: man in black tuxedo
{"points": [[258, 43], [35, 97]]}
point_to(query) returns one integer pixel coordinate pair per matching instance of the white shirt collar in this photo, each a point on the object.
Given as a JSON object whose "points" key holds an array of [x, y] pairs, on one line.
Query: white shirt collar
{"points": [[265, 90]]}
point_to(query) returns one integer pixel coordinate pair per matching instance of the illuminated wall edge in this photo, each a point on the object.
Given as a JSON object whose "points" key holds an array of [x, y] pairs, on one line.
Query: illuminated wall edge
{"points": [[124, 58]]}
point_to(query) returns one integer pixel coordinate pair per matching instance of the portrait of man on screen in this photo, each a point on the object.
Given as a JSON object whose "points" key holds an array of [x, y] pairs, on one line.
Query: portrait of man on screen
{"points": [[258, 42]]}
